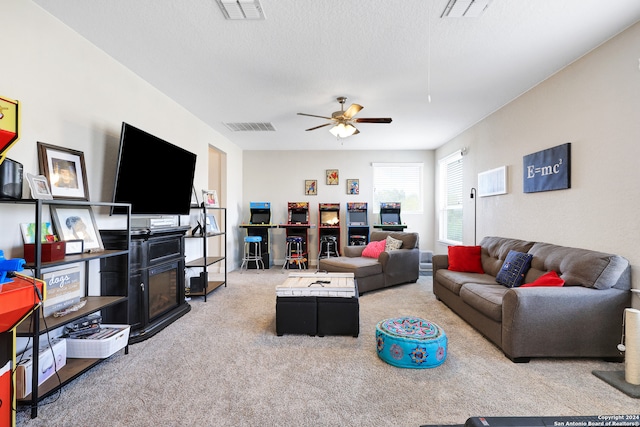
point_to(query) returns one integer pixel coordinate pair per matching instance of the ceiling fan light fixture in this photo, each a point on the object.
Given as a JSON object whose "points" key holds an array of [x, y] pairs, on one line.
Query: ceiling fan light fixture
{"points": [[343, 131]]}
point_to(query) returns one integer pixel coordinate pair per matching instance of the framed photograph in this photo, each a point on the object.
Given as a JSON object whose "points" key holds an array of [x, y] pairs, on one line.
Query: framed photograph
{"points": [[311, 187], [65, 170], [210, 198], [77, 223], [353, 186], [332, 176], [194, 198], [73, 247], [211, 224], [39, 187]]}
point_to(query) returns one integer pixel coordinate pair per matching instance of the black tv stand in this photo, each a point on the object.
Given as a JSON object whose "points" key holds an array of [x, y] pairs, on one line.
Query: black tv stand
{"points": [[156, 278]]}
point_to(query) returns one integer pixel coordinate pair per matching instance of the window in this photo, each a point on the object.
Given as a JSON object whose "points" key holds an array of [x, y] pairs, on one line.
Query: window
{"points": [[451, 198], [398, 182]]}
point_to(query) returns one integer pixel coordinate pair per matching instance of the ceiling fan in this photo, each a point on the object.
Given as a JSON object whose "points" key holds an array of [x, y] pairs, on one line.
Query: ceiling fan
{"points": [[343, 121]]}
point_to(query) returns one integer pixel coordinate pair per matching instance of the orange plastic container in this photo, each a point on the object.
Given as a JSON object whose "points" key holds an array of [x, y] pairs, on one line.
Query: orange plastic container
{"points": [[17, 299]]}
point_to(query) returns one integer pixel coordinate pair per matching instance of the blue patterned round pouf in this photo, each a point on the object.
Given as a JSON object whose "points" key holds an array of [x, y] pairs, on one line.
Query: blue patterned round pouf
{"points": [[411, 342]]}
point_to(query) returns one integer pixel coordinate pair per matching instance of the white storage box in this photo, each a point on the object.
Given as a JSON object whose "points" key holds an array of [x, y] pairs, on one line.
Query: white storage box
{"points": [[46, 365], [98, 348]]}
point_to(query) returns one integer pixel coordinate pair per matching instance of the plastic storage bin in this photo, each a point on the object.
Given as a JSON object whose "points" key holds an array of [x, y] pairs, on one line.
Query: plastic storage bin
{"points": [[98, 348]]}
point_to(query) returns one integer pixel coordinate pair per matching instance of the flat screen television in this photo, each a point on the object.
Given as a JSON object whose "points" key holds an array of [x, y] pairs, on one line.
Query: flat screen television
{"points": [[155, 176]]}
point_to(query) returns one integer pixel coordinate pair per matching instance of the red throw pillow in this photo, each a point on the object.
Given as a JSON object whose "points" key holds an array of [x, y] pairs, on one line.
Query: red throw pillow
{"points": [[548, 279], [374, 249], [465, 259]]}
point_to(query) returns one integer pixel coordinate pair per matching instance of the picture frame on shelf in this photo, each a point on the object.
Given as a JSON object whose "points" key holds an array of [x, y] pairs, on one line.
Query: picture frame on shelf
{"points": [[311, 187], [65, 171], [63, 289], [77, 223], [210, 199], [74, 247], [353, 186], [194, 198], [28, 230], [39, 187], [211, 224], [332, 176]]}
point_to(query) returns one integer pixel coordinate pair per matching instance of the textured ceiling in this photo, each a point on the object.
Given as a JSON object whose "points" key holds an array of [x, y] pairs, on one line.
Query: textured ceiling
{"points": [[387, 55]]}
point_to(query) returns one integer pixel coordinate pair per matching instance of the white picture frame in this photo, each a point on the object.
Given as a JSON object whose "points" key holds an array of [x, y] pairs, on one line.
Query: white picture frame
{"points": [[492, 182], [77, 222], [210, 199], [39, 187]]}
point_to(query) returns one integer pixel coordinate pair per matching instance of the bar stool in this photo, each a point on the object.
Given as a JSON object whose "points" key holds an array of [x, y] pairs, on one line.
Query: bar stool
{"points": [[252, 252], [328, 247], [294, 253]]}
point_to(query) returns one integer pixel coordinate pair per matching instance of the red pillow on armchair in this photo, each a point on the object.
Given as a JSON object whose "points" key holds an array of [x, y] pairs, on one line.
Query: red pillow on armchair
{"points": [[465, 259], [374, 249]]}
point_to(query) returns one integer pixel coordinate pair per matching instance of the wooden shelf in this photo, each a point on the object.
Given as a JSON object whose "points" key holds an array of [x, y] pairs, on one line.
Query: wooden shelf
{"points": [[211, 286]]}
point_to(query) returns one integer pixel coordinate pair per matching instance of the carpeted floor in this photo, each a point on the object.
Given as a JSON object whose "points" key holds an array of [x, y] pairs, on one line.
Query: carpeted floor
{"points": [[223, 365]]}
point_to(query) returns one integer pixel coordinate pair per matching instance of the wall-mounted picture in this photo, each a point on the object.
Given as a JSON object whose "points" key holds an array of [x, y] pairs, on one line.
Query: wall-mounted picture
{"points": [[65, 170], [547, 170], [77, 223], [332, 176], [311, 187], [39, 187], [210, 198], [353, 186], [492, 182]]}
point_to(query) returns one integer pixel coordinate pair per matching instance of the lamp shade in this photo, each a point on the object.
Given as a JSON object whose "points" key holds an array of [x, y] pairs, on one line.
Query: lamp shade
{"points": [[342, 131]]}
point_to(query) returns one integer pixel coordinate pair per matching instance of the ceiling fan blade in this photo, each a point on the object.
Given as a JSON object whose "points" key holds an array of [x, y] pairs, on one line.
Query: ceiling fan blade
{"points": [[356, 132], [313, 115], [321, 126], [377, 120], [352, 111]]}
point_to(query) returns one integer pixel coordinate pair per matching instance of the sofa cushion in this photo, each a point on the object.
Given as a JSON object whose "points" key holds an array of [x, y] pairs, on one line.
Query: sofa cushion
{"points": [[374, 249], [409, 239], [487, 299], [513, 269], [578, 267], [454, 280], [496, 249], [465, 259], [548, 279], [359, 266], [392, 244]]}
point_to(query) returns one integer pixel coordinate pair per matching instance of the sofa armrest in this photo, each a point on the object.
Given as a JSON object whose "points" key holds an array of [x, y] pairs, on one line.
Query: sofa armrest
{"points": [[400, 266], [562, 322], [353, 251], [440, 262]]}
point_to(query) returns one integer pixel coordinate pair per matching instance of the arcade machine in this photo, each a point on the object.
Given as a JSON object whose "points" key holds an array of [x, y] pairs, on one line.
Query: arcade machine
{"points": [[259, 225], [328, 230], [390, 217], [298, 225], [357, 224]]}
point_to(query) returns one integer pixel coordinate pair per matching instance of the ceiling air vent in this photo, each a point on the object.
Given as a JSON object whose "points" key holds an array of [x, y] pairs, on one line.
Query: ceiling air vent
{"points": [[250, 127], [241, 9]]}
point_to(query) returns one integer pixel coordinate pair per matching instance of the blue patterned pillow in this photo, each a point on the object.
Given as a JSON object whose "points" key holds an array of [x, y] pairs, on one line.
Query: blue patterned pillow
{"points": [[514, 268]]}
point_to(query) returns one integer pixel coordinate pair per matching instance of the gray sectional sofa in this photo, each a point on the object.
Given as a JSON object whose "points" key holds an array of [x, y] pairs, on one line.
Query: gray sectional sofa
{"points": [[389, 269], [583, 318]]}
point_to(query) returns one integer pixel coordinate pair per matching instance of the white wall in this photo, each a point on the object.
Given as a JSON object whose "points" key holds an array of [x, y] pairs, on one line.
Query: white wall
{"points": [[594, 104], [278, 177], [74, 95]]}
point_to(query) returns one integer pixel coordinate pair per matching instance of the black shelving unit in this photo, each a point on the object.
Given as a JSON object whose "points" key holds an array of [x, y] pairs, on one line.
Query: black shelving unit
{"points": [[30, 328], [202, 263]]}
